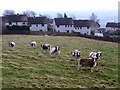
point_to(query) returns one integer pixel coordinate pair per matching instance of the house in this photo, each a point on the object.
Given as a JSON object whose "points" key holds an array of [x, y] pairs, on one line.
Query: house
{"points": [[2, 25], [86, 27], [17, 20], [63, 25], [112, 26], [38, 23]]}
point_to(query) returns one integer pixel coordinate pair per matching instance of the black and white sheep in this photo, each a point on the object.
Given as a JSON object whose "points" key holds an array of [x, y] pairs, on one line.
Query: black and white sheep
{"points": [[76, 53], [95, 55], [45, 46], [33, 43], [55, 50], [12, 44]]}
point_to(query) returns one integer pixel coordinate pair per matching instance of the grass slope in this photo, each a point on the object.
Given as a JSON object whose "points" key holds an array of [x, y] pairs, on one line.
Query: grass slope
{"points": [[28, 67]]}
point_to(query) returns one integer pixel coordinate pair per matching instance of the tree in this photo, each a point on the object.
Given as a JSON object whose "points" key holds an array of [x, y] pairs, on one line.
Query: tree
{"points": [[9, 12], [40, 15], [59, 15], [29, 13], [73, 17], [93, 17], [48, 16], [65, 16]]}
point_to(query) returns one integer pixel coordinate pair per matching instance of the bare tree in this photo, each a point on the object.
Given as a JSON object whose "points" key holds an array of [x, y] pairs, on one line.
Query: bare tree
{"points": [[40, 15], [93, 17], [8, 12], [73, 17], [29, 13], [48, 16], [65, 15], [59, 15]]}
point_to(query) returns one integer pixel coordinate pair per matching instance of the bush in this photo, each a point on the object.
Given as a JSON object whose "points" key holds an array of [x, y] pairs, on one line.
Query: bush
{"points": [[15, 27]]}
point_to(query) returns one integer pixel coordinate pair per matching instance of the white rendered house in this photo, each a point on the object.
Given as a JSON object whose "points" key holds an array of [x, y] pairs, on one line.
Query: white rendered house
{"points": [[38, 23]]}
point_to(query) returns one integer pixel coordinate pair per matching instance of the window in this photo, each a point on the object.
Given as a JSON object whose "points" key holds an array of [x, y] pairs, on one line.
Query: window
{"points": [[41, 30], [16, 23], [36, 25], [57, 25], [42, 24], [70, 25], [65, 25], [80, 27], [10, 23], [75, 28], [87, 27], [23, 22], [67, 31]]}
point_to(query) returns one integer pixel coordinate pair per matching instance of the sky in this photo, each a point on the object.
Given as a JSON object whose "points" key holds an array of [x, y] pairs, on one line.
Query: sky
{"points": [[74, 7]]}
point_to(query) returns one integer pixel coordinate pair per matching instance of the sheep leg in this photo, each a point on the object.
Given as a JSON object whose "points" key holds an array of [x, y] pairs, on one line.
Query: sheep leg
{"points": [[78, 68], [91, 69]]}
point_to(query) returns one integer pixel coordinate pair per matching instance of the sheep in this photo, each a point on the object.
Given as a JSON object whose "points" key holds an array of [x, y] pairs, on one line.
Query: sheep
{"points": [[45, 46], [76, 53], [55, 50], [87, 62], [95, 55], [33, 43], [12, 44]]}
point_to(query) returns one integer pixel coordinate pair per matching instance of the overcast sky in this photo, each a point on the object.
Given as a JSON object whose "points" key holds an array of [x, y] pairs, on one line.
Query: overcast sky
{"points": [[58, 5]]}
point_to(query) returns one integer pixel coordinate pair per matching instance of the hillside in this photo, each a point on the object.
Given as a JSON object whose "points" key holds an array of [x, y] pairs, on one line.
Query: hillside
{"points": [[28, 67]]}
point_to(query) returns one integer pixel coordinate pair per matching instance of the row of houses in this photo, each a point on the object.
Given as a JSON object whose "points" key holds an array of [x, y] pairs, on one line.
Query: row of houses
{"points": [[112, 26], [66, 25]]}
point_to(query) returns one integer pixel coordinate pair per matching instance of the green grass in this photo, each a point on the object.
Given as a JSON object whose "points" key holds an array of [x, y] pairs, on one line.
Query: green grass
{"points": [[28, 67]]}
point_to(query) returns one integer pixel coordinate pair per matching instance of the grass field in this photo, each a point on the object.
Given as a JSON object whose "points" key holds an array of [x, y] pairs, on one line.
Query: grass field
{"points": [[28, 67]]}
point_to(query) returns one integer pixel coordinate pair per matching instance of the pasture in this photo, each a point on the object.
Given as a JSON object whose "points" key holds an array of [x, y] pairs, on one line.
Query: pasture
{"points": [[27, 67]]}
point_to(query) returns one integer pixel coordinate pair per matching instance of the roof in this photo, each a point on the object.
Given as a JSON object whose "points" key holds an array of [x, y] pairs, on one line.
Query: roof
{"points": [[63, 21], [37, 20], [85, 23], [16, 18], [113, 24]]}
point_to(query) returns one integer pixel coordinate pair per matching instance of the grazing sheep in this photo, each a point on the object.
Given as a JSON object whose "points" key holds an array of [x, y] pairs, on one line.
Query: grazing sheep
{"points": [[45, 46], [76, 53], [55, 50], [33, 43], [95, 55], [88, 62], [12, 44]]}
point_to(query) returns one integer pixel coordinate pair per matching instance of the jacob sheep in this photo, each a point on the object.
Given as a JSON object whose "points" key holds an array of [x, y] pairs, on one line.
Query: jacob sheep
{"points": [[45, 46], [12, 44], [33, 43], [88, 62], [76, 53], [55, 50], [95, 55]]}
